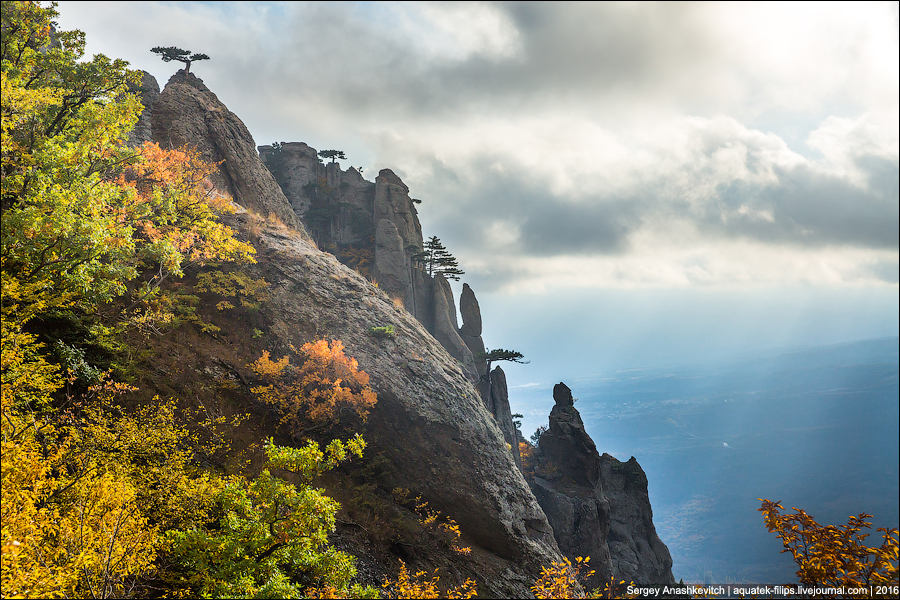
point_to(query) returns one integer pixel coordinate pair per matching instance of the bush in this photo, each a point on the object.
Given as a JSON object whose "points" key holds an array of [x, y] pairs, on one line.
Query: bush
{"points": [[326, 391], [382, 332]]}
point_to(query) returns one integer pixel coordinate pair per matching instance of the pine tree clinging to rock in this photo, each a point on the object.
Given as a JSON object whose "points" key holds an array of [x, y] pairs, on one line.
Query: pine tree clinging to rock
{"points": [[436, 259]]}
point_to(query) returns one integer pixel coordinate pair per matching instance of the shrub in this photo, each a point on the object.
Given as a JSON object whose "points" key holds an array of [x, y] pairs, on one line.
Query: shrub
{"points": [[382, 332], [419, 586], [326, 391]]}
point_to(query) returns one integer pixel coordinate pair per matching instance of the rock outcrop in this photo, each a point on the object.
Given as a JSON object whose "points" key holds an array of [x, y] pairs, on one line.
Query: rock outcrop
{"points": [[430, 430], [567, 485], [429, 425], [188, 113], [470, 332], [597, 506], [433, 432], [446, 330], [374, 228], [635, 549], [499, 407], [147, 92]]}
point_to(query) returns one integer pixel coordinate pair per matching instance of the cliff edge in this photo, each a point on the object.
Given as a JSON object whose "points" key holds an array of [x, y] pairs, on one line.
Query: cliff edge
{"points": [[597, 505]]}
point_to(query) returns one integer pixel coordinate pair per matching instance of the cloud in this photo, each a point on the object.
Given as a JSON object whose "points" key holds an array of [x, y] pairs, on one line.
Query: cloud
{"points": [[584, 144]]}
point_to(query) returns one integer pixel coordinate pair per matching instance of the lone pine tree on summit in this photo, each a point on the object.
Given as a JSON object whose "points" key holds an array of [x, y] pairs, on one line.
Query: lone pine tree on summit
{"points": [[170, 53]]}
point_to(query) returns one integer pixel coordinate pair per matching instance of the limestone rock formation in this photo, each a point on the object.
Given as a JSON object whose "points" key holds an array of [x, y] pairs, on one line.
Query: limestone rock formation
{"points": [[470, 332], [147, 92], [636, 551], [429, 428], [336, 206], [391, 263], [294, 165], [429, 423], [374, 228], [567, 486], [499, 408], [432, 431], [491, 386], [597, 506], [446, 330], [470, 312], [392, 202], [187, 112]]}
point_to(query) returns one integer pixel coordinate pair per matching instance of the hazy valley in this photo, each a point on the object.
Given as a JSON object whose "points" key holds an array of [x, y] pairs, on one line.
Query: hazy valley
{"points": [[815, 428]]}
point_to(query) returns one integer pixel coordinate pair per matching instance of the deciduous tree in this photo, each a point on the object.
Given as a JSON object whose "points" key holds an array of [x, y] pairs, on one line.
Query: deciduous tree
{"points": [[834, 556], [325, 391], [270, 538]]}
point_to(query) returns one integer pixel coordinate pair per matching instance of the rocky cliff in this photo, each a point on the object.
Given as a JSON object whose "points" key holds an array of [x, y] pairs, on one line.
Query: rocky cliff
{"points": [[429, 425], [442, 427], [429, 434], [597, 506], [188, 113], [372, 227]]}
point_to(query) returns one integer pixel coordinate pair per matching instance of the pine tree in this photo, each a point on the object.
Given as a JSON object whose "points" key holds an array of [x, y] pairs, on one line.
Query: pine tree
{"points": [[334, 155], [435, 259], [170, 53]]}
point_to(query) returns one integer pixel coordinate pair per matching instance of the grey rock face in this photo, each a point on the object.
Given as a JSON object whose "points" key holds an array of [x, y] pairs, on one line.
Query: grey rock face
{"points": [[636, 551], [567, 486], [147, 92], [470, 312], [579, 517], [429, 423], [445, 329], [470, 332], [335, 205], [188, 113], [350, 216], [499, 407], [597, 506], [391, 262], [343, 212], [567, 445], [392, 202], [295, 165]]}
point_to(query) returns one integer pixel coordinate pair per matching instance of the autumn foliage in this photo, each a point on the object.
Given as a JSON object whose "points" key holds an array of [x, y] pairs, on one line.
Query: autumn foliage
{"points": [[834, 556], [326, 389], [421, 585]]}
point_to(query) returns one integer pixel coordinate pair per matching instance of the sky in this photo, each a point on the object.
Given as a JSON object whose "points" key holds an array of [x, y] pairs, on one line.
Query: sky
{"points": [[625, 184]]}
